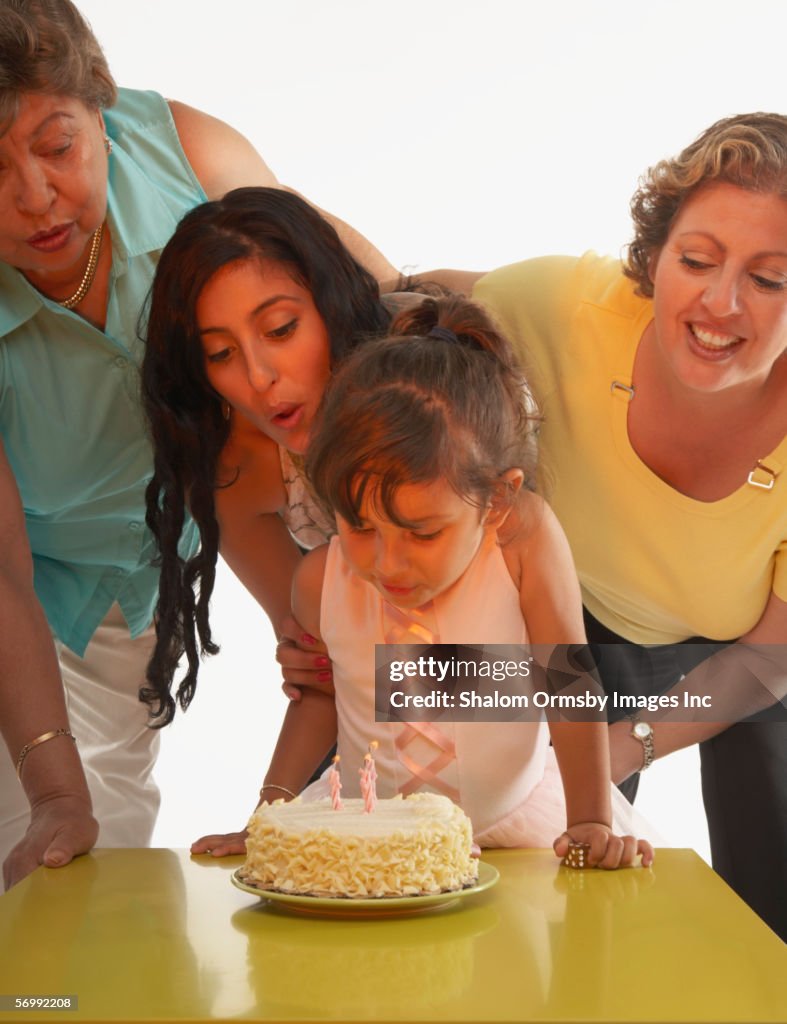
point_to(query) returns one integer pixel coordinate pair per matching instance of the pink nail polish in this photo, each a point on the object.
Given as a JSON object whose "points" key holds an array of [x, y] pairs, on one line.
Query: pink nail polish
{"points": [[307, 638], [321, 661], [324, 677]]}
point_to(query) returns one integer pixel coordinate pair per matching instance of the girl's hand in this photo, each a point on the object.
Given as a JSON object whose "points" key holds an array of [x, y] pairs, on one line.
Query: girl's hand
{"points": [[606, 849], [221, 845], [304, 661]]}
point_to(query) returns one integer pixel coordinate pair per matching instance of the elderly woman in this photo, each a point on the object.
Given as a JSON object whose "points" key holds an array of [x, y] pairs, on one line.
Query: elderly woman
{"points": [[93, 181], [664, 386]]}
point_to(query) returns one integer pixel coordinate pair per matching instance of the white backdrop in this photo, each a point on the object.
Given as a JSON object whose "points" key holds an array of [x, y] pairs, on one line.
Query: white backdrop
{"points": [[466, 133]]}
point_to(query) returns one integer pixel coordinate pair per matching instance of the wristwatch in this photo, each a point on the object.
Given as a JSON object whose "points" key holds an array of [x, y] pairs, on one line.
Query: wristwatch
{"points": [[643, 731]]}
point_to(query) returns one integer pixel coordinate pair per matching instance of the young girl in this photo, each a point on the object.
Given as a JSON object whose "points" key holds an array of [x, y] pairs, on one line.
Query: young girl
{"points": [[423, 449]]}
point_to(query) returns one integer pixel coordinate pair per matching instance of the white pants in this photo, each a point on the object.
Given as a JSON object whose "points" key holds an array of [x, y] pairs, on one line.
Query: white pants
{"points": [[117, 747]]}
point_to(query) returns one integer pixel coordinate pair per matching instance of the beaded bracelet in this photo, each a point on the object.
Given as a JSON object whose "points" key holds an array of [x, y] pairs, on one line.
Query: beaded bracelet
{"points": [[272, 785], [36, 743]]}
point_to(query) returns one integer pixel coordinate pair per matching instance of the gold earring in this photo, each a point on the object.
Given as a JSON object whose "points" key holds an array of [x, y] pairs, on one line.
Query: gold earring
{"points": [[226, 411], [107, 144]]}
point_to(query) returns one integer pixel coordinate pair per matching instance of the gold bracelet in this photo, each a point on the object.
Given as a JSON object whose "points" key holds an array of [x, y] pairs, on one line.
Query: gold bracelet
{"points": [[36, 743], [272, 785]]}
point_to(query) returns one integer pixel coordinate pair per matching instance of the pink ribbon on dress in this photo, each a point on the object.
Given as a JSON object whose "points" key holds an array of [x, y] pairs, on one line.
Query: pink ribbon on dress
{"points": [[413, 626]]}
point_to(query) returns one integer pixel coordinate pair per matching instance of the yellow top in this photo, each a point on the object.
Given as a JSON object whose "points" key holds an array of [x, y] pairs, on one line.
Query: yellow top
{"points": [[655, 566], [154, 935]]}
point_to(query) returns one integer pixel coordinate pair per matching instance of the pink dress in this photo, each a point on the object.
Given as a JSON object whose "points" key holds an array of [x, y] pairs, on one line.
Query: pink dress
{"points": [[503, 774]]}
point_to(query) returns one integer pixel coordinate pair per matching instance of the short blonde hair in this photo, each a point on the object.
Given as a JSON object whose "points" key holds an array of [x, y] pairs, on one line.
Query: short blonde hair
{"points": [[46, 46], [748, 150]]}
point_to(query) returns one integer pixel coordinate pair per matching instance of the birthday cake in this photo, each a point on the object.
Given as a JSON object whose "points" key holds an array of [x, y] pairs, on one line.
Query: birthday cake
{"points": [[414, 846]]}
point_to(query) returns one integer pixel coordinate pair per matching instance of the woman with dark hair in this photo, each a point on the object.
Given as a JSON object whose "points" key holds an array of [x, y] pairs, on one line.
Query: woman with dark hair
{"points": [[94, 180], [255, 301]]}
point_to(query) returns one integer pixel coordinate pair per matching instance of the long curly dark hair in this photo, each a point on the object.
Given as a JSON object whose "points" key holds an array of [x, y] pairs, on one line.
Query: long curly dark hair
{"points": [[184, 412]]}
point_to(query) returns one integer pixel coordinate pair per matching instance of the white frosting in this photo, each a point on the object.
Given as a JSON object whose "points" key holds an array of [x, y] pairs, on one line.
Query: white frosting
{"points": [[409, 847]]}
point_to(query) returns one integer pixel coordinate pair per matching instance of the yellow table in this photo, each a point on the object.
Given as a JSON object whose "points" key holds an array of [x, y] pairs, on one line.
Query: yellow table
{"points": [[154, 935]]}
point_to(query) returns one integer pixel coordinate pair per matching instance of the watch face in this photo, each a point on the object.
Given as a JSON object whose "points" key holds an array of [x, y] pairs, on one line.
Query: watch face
{"points": [[642, 730]]}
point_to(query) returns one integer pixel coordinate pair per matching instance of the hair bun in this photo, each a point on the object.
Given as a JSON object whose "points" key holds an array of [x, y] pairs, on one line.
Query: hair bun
{"points": [[443, 333]]}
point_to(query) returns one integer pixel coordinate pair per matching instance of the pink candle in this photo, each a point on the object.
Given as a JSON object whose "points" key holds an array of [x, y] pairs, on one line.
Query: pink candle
{"points": [[336, 784], [369, 779]]}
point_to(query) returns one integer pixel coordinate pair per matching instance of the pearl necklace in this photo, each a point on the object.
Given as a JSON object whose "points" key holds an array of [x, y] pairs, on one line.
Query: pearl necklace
{"points": [[90, 272]]}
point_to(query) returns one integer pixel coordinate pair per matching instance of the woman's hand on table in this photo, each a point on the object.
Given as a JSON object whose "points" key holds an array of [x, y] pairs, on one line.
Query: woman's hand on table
{"points": [[221, 845], [304, 661], [607, 850], [60, 829]]}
